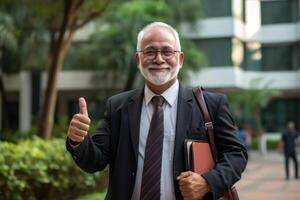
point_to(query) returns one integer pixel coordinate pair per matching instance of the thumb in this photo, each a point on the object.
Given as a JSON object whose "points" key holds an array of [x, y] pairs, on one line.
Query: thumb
{"points": [[184, 175], [83, 106]]}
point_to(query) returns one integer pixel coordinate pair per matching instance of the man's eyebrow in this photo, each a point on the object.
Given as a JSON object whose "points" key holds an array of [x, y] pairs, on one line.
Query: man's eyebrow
{"points": [[163, 47]]}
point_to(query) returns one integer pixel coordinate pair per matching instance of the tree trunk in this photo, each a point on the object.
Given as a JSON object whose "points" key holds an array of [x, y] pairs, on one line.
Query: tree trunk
{"points": [[61, 39], [59, 43], [56, 60], [50, 97]]}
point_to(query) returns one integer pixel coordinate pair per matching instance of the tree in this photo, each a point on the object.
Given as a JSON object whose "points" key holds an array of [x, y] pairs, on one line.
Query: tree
{"points": [[28, 36], [64, 18], [29, 45], [7, 42], [117, 35], [247, 104]]}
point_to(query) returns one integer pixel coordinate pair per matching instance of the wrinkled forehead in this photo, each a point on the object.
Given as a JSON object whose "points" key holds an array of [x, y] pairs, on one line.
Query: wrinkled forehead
{"points": [[158, 37]]}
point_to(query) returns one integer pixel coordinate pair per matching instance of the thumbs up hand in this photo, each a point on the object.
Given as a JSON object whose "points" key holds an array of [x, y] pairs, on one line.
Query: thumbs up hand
{"points": [[80, 123]]}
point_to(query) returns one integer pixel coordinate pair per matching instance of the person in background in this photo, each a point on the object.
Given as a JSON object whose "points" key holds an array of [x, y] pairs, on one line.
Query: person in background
{"points": [[243, 135], [288, 147]]}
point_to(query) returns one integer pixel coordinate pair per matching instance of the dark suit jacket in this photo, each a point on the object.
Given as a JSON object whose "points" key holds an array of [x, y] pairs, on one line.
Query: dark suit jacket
{"points": [[116, 142], [289, 140]]}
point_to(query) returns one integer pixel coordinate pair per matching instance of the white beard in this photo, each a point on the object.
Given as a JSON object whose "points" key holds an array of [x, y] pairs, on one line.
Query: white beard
{"points": [[159, 77]]}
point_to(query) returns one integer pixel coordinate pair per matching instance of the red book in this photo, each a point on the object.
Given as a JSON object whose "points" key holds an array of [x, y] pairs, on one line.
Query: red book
{"points": [[198, 156]]}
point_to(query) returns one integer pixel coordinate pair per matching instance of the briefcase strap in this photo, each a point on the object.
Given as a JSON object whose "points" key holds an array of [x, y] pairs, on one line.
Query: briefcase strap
{"points": [[231, 194], [198, 92]]}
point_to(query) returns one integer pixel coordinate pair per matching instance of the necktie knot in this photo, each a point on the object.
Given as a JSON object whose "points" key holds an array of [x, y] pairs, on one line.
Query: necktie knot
{"points": [[158, 100]]}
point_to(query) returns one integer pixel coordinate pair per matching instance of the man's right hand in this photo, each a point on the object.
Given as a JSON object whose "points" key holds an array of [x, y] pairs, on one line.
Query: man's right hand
{"points": [[80, 123]]}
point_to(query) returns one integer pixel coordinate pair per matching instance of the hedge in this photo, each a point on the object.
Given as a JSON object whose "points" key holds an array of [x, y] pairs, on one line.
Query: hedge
{"points": [[37, 169]]}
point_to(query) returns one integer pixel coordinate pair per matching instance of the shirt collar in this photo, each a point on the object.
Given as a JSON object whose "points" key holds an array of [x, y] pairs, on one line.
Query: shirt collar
{"points": [[170, 94]]}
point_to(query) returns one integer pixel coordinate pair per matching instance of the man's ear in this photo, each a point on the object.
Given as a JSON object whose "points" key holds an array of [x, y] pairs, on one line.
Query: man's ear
{"points": [[137, 58], [181, 59]]}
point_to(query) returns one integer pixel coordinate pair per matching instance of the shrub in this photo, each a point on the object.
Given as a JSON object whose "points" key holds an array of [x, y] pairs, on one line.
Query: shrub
{"points": [[271, 144], [38, 169], [94, 196]]}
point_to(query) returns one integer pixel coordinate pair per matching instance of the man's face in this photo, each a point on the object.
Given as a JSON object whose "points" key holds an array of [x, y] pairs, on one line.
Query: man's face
{"points": [[291, 127], [159, 63]]}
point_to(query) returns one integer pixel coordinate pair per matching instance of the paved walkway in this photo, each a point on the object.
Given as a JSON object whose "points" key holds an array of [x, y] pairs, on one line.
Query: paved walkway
{"points": [[264, 179]]}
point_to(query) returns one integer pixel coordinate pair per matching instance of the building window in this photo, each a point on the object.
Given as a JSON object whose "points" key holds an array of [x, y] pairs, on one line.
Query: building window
{"points": [[217, 51], [12, 116], [216, 8], [284, 57], [279, 112], [252, 56], [258, 57], [279, 11]]}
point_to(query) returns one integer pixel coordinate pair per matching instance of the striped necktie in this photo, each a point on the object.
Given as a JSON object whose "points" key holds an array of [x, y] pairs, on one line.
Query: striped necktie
{"points": [[150, 189]]}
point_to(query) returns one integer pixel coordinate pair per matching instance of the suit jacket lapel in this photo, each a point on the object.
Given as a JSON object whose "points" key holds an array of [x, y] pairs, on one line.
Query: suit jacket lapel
{"points": [[184, 113], [134, 115]]}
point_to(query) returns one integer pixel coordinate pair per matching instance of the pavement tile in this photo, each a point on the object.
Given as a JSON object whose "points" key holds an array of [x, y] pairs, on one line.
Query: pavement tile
{"points": [[264, 179]]}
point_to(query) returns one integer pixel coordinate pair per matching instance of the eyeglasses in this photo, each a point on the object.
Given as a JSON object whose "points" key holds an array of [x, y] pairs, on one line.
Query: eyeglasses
{"points": [[151, 53]]}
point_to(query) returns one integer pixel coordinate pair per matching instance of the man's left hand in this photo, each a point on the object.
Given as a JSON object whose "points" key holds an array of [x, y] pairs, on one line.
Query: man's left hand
{"points": [[192, 185]]}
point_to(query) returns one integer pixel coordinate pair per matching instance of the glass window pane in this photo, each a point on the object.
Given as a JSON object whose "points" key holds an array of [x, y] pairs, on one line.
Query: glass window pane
{"points": [[259, 57], [12, 115], [216, 8], [279, 11], [252, 56], [279, 112], [217, 51], [279, 57]]}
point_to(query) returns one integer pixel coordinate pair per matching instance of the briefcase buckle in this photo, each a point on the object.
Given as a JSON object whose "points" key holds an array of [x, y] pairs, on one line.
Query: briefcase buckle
{"points": [[208, 125]]}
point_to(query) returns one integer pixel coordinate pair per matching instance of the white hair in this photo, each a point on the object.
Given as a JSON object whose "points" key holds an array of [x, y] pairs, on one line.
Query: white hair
{"points": [[160, 25]]}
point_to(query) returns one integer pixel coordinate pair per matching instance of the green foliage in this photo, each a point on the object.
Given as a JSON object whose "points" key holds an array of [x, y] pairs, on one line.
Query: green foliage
{"points": [[60, 129], [117, 33], [271, 144], [94, 196], [193, 58], [188, 11], [7, 37], [38, 169], [247, 104], [15, 136], [113, 45], [28, 38]]}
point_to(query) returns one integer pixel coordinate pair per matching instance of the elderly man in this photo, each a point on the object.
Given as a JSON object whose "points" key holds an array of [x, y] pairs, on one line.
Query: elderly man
{"points": [[142, 134]]}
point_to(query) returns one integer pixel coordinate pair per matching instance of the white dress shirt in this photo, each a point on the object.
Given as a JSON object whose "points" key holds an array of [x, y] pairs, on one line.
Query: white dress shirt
{"points": [[170, 113]]}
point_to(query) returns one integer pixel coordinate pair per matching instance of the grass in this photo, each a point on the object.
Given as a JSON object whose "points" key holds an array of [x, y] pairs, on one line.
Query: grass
{"points": [[94, 196]]}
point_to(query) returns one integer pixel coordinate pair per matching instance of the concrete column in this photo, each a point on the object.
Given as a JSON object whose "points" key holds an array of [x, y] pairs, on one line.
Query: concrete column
{"points": [[253, 17], [25, 101], [263, 145]]}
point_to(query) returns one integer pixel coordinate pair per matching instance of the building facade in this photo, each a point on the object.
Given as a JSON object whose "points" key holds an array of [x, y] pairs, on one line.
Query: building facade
{"points": [[248, 39]]}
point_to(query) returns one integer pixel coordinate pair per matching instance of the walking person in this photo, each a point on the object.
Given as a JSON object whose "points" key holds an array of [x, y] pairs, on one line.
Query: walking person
{"points": [[288, 146]]}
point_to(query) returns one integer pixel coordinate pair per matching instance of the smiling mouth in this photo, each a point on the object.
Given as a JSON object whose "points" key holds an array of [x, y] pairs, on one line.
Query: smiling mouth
{"points": [[159, 69]]}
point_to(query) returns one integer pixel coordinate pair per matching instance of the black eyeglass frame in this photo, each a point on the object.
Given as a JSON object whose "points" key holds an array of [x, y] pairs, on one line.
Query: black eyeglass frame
{"points": [[155, 51]]}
